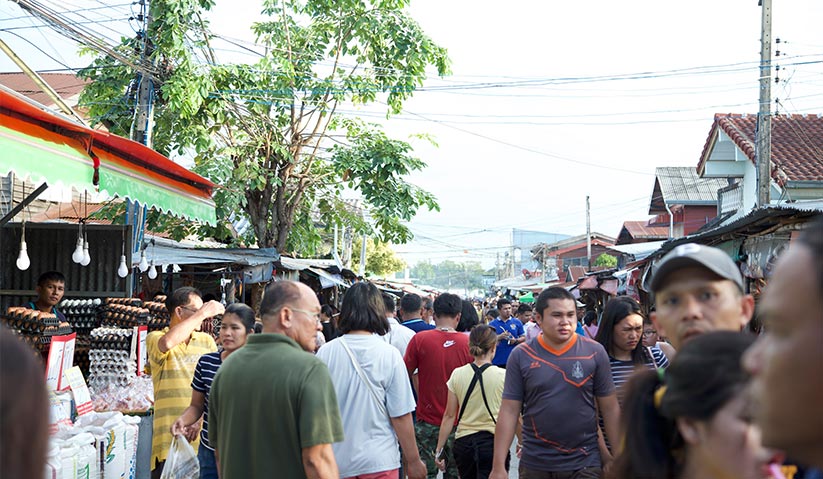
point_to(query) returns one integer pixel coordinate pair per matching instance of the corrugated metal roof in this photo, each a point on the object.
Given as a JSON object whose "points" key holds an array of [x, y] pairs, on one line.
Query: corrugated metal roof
{"points": [[680, 185]]}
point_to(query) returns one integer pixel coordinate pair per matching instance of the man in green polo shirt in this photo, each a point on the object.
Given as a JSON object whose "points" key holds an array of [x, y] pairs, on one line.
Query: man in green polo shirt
{"points": [[273, 410]]}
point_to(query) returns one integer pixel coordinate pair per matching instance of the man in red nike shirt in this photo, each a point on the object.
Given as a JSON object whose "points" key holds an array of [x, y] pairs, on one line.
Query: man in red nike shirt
{"points": [[435, 354]]}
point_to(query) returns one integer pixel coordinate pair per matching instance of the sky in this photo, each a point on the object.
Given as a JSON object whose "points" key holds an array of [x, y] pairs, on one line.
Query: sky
{"points": [[548, 102]]}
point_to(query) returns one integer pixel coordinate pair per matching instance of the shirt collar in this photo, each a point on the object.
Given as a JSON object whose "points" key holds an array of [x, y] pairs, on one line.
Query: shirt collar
{"points": [[272, 338]]}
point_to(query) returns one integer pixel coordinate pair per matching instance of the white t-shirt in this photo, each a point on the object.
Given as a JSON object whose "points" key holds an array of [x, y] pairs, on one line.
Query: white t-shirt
{"points": [[398, 336], [370, 443]]}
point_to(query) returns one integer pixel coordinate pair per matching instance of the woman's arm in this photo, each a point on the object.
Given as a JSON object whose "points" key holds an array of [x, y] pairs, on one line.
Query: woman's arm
{"points": [[446, 426], [191, 415]]}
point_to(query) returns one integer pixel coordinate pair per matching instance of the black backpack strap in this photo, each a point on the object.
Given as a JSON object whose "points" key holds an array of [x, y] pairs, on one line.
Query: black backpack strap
{"points": [[483, 391], [478, 376]]}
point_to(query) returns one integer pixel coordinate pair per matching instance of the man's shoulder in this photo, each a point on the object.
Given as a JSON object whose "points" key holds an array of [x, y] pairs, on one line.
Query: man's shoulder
{"points": [[589, 344]]}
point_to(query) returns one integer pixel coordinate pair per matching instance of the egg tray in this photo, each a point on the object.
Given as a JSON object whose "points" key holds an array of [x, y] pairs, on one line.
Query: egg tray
{"points": [[118, 315], [157, 309], [156, 324], [132, 302], [30, 321], [82, 314]]}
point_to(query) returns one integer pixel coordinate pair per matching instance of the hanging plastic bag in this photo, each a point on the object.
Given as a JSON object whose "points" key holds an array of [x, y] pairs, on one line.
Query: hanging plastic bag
{"points": [[181, 462]]}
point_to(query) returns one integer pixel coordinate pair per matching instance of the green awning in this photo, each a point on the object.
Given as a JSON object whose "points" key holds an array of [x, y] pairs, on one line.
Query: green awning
{"points": [[58, 164]]}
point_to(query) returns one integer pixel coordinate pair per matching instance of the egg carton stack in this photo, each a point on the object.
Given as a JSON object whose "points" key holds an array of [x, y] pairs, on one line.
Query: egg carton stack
{"points": [[110, 356], [82, 316], [158, 315], [123, 313], [36, 328]]}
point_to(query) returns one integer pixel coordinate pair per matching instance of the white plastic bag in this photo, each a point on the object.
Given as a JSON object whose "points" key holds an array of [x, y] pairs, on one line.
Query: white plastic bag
{"points": [[181, 462]]}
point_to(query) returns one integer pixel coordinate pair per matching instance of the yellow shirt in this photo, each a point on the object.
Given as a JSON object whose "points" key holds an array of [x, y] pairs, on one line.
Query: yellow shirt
{"points": [[476, 418], [171, 374]]}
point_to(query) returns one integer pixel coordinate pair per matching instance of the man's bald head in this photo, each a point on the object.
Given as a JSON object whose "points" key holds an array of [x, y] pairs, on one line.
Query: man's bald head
{"points": [[277, 295]]}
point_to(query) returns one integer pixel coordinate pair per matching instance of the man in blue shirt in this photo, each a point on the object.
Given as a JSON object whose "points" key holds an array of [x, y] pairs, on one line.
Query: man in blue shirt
{"points": [[510, 332], [411, 308]]}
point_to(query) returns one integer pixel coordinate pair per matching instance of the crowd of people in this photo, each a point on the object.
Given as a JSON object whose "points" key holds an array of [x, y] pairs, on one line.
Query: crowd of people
{"points": [[383, 390]]}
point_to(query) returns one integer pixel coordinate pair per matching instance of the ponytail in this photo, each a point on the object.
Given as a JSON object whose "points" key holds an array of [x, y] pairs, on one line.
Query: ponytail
{"points": [[650, 436]]}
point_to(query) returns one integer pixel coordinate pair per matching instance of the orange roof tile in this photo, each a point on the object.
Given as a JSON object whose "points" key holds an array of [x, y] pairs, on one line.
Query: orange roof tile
{"points": [[797, 143]]}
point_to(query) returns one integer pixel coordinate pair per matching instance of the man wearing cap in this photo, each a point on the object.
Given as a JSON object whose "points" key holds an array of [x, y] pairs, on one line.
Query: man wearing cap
{"points": [[698, 289]]}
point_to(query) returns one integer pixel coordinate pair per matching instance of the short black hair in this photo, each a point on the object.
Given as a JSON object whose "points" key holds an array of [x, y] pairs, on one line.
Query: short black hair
{"points": [[448, 304], [389, 304], [411, 303], [244, 312], [524, 308], [180, 297], [502, 301], [277, 295], [327, 310], [363, 310], [427, 302], [554, 292], [51, 276]]}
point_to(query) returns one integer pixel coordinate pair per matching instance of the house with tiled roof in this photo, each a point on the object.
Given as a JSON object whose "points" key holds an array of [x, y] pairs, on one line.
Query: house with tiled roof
{"points": [[67, 85], [796, 160], [682, 203]]}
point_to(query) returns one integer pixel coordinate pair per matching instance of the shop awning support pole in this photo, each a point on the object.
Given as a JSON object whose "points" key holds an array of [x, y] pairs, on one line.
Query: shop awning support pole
{"points": [[26, 201]]}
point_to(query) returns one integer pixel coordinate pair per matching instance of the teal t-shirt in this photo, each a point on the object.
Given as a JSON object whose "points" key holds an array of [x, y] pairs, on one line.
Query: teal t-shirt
{"points": [[269, 400]]}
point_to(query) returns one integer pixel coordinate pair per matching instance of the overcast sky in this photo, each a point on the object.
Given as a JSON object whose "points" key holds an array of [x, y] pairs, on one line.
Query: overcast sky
{"points": [[548, 101]]}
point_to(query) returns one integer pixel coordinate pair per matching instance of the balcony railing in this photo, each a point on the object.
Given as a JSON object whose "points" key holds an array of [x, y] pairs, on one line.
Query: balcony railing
{"points": [[729, 199]]}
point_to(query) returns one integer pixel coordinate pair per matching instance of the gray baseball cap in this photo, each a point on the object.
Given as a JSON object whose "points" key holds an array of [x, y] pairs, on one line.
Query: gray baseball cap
{"points": [[692, 254]]}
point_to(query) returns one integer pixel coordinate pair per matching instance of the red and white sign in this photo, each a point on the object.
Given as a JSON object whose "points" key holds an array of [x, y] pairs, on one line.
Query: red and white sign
{"points": [[61, 358]]}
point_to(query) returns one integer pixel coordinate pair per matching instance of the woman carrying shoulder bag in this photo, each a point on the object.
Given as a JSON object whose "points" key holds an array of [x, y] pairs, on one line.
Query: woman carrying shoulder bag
{"points": [[476, 391]]}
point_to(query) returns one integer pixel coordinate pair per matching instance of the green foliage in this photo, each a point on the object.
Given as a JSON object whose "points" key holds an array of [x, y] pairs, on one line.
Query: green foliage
{"points": [[268, 132], [449, 274], [606, 260], [381, 260]]}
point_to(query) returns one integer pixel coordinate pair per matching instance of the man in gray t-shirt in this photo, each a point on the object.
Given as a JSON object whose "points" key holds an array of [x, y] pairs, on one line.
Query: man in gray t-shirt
{"points": [[557, 379]]}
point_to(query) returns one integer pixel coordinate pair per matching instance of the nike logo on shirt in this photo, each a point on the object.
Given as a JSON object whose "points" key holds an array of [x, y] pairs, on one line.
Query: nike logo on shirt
{"points": [[448, 343]]}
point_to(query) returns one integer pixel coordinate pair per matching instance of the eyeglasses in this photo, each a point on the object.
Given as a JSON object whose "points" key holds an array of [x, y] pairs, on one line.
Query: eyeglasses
{"points": [[649, 333], [190, 309], [316, 316]]}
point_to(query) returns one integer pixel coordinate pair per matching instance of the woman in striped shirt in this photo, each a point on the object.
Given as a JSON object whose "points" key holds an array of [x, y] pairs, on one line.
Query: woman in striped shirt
{"points": [[621, 334], [236, 325]]}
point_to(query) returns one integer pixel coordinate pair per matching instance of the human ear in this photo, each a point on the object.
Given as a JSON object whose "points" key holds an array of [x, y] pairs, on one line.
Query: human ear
{"points": [[689, 429], [661, 331], [746, 309]]}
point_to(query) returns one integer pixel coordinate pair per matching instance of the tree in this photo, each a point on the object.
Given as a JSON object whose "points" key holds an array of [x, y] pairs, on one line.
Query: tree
{"points": [[606, 260], [270, 132], [381, 260], [450, 274]]}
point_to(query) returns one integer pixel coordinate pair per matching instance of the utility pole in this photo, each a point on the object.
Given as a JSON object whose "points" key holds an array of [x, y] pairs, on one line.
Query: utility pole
{"points": [[764, 121], [588, 234], [141, 127]]}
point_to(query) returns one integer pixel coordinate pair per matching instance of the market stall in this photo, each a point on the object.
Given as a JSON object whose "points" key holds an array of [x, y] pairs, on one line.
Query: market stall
{"points": [[98, 337]]}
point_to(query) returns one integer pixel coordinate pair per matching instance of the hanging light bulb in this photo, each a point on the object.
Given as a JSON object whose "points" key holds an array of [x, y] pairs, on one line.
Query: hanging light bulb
{"points": [[86, 257], [77, 256], [144, 262], [123, 270], [152, 270], [23, 261]]}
